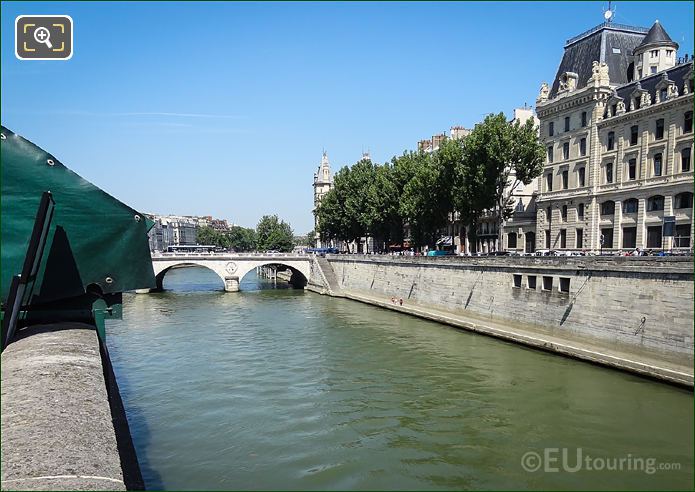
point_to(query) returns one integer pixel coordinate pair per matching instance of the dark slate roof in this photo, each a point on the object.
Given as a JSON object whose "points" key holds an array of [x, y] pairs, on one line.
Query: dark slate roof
{"points": [[657, 35], [598, 44], [677, 74]]}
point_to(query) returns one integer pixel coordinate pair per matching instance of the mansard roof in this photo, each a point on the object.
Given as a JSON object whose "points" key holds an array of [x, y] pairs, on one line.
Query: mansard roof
{"points": [[609, 43], [679, 75], [657, 35]]}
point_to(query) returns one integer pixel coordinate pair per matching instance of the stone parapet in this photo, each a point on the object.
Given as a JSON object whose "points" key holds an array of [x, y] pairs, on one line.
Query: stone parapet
{"points": [[57, 428]]}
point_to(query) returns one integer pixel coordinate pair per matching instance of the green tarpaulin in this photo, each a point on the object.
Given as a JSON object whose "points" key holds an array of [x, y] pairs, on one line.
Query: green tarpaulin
{"points": [[95, 243]]}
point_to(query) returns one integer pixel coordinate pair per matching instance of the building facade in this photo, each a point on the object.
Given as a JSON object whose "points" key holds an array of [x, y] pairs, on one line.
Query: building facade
{"points": [[176, 230], [617, 126], [323, 182]]}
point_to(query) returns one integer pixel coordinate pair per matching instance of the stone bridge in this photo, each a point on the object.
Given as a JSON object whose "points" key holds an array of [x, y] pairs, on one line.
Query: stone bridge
{"points": [[232, 267]]}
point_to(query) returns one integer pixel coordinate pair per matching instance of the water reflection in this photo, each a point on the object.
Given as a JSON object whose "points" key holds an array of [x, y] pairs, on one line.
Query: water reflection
{"points": [[284, 389]]}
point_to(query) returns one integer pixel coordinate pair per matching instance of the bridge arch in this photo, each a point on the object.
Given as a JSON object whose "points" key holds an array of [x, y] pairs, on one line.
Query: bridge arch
{"points": [[160, 270], [299, 278]]}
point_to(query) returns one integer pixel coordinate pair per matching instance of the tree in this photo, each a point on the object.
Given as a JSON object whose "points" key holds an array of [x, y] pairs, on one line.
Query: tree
{"points": [[209, 236], [242, 239], [498, 157], [346, 212], [427, 199], [416, 204], [384, 196], [524, 164], [331, 216], [274, 234], [360, 200]]}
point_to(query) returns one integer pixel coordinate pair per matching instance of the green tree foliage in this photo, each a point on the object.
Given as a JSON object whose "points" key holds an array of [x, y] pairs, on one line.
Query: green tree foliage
{"points": [[331, 216], [346, 212], [274, 234], [498, 157], [424, 190], [386, 221], [209, 236], [242, 239], [416, 203]]}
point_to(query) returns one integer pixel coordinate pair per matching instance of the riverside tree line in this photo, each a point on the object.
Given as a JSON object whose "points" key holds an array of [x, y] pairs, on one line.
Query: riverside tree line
{"points": [[423, 191], [271, 234]]}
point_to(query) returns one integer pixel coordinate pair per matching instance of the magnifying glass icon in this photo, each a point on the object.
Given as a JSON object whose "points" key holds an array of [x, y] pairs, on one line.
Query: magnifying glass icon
{"points": [[43, 36]]}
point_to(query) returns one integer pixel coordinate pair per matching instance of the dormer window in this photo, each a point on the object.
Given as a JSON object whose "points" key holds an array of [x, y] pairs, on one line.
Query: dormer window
{"points": [[652, 69], [663, 94], [638, 101], [614, 109]]}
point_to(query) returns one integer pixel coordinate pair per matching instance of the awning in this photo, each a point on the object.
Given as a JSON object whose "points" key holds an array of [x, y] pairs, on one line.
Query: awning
{"points": [[445, 241]]}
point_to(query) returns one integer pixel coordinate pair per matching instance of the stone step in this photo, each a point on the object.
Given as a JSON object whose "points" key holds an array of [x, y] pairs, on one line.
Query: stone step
{"points": [[328, 274]]}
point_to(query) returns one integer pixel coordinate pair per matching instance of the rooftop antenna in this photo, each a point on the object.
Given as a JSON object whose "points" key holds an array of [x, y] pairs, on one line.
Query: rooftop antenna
{"points": [[608, 14]]}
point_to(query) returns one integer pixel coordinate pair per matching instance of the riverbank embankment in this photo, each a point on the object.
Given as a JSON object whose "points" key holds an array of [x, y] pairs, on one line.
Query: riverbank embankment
{"points": [[634, 314]]}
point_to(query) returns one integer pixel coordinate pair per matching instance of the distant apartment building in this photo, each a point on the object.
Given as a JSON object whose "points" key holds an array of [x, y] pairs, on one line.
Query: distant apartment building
{"points": [[432, 144], [220, 225], [617, 123], [177, 230]]}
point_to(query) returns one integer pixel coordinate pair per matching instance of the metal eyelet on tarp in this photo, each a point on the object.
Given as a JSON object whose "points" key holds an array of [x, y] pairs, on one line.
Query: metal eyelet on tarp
{"points": [[50, 162]]}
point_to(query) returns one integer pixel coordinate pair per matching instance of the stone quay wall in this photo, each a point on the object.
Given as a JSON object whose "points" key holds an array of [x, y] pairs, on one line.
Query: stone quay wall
{"points": [[59, 427], [641, 305]]}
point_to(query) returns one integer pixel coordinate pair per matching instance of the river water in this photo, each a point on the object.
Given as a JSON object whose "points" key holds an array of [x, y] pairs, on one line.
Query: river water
{"points": [[285, 389]]}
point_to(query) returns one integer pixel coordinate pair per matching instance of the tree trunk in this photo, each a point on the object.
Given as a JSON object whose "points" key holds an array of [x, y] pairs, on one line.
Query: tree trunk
{"points": [[473, 235]]}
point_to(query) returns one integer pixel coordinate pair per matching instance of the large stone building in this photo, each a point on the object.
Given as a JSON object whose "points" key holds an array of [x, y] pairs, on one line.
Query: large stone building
{"points": [[171, 230], [617, 122], [177, 230]]}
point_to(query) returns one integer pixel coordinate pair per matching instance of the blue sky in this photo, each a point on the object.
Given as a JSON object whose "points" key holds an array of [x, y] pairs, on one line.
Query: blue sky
{"points": [[224, 108]]}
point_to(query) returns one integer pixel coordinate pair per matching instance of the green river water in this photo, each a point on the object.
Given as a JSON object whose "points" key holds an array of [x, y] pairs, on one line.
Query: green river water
{"points": [[273, 388]]}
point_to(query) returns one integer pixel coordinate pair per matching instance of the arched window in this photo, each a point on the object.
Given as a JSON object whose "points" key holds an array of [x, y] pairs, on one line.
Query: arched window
{"points": [[684, 200], [655, 203], [608, 207], [630, 206]]}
